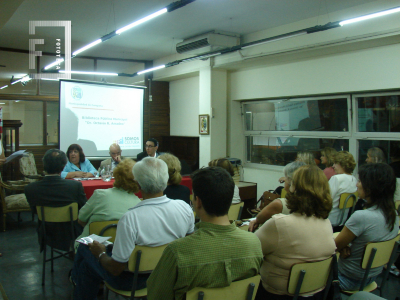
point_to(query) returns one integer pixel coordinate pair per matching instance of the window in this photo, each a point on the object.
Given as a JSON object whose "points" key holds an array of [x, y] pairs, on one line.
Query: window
{"points": [[277, 129]]}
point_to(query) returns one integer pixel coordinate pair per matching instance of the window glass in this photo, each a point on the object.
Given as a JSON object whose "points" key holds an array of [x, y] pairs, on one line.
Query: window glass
{"points": [[30, 113], [390, 150], [283, 150], [308, 115], [52, 122], [379, 113]]}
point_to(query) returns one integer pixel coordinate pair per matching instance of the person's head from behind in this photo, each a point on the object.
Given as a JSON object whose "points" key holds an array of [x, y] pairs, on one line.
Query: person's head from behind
{"points": [[375, 155], [174, 168], [289, 170], [306, 157], [151, 174], [377, 185], [151, 147], [222, 163], [212, 191], [327, 155], [54, 161], [124, 177], [115, 151], [75, 154], [344, 163], [309, 193]]}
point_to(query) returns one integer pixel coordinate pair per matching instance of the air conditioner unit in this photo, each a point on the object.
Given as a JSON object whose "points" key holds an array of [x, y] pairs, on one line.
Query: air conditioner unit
{"points": [[207, 42]]}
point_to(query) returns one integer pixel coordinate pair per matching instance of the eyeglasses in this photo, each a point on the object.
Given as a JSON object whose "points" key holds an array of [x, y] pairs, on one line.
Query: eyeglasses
{"points": [[149, 146]]}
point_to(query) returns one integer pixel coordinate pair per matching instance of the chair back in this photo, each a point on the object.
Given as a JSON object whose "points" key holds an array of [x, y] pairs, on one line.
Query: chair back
{"points": [[235, 211], [57, 214], [283, 193], [347, 200], [27, 164], [104, 228], [309, 276], [382, 255], [149, 257], [245, 289]]}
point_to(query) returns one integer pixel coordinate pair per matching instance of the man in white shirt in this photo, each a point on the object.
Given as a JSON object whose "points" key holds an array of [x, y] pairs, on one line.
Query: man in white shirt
{"points": [[114, 160], [155, 221], [151, 150]]}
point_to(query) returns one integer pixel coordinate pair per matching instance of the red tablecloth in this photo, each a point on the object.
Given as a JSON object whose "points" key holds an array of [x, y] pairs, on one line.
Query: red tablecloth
{"points": [[90, 185]]}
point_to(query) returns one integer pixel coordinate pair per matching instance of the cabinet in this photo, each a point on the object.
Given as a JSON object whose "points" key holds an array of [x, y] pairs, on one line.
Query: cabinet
{"points": [[248, 194]]}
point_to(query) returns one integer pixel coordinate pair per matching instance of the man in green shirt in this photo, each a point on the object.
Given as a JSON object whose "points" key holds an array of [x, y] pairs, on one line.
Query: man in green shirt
{"points": [[217, 253]]}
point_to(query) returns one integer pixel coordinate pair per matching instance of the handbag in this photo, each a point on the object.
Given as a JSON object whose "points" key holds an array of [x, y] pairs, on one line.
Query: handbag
{"points": [[266, 198]]}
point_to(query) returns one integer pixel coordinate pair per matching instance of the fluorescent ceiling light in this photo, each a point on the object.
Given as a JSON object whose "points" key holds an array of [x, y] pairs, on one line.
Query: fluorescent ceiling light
{"points": [[23, 79], [57, 62], [89, 73], [150, 70], [3, 87], [49, 79], [87, 47], [2, 103], [370, 16], [138, 22]]}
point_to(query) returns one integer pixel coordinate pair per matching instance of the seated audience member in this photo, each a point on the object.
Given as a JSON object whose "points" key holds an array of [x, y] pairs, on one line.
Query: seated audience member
{"points": [[174, 189], [303, 235], [277, 206], [304, 156], [56, 192], [327, 155], [375, 155], [153, 222], [77, 166], [226, 164], [111, 204], [217, 253], [151, 150], [114, 160], [342, 182], [378, 222], [395, 161]]}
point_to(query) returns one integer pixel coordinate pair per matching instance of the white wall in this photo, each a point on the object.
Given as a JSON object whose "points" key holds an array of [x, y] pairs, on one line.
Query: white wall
{"points": [[184, 106]]}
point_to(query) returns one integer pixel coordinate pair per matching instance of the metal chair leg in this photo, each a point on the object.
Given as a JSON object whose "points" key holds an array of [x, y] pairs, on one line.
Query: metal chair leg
{"points": [[52, 255], [44, 264]]}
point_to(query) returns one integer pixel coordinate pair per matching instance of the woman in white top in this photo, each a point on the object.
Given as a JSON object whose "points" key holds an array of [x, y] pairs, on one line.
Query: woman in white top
{"points": [[226, 164], [277, 206], [342, 182]]}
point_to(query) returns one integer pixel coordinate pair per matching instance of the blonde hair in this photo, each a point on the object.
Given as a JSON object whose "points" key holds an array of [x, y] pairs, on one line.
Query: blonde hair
{"points": [[306, 157], [174, 168], [377, 155], [123, 176], [312, 195], [346, 160], [222, 163], [329, 154]]}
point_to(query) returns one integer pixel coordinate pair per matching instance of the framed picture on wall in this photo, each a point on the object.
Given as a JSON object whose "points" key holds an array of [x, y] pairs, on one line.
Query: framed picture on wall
{"points": [[204, 124]]}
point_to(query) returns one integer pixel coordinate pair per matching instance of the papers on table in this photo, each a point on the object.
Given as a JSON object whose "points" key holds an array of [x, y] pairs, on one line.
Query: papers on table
{"points": [[94, 237], [90, 178], [15, 155]]}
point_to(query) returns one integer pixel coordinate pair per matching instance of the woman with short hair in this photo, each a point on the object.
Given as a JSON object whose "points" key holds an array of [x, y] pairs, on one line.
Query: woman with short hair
{"points": [[303, 235], [375, 155], [307, 157], [378, 222], [226, 164], [111, 204], [327, 155], [342, 182], [174, 189], [78, 166]]}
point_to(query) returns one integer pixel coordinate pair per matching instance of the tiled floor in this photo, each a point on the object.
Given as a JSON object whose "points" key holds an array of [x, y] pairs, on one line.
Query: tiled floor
{"points": [[21, 267]]}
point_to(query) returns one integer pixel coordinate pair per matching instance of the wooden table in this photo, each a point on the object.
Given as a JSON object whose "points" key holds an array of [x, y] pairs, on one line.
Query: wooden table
{"points": [[89, 186]]}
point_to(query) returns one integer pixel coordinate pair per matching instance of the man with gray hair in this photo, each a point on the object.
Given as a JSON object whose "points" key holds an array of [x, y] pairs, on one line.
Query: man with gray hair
{"points": [[114, 160], [155, 221]]}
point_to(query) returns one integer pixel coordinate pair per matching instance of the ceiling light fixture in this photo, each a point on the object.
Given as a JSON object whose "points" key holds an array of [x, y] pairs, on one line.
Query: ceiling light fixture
{"points": [[3, 87], [89, 73], [142, 20], [50, 79], [24, 79], [57, 62], [87, 47], [151, 69], [370, 16]]}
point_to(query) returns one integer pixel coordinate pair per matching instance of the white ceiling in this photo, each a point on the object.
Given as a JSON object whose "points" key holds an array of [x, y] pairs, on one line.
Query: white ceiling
{"points": [[157, 38]]}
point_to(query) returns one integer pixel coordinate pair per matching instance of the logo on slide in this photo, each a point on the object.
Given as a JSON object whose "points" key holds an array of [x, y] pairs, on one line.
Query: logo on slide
{"points": [[76, 93], [127, 140]]}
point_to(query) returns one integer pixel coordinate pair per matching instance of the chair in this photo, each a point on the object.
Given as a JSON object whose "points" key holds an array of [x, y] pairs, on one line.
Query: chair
{"points": [[67, 213], [28, 169], [245, 289], [347, 200], [143, 260], [283, 193], [235, 211], [376, 255], [310, 276], [397, 205], [104, 228], [12, 203]]}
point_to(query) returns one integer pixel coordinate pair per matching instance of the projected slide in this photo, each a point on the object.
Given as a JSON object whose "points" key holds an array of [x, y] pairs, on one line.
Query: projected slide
{"points": [[95, 115]]}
